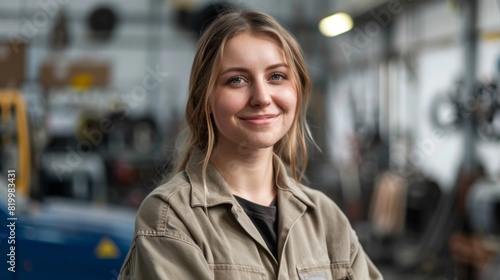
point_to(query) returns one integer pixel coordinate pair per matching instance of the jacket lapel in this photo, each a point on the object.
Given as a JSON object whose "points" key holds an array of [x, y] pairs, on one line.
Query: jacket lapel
{"points": [[249, 227], [290, 209]]}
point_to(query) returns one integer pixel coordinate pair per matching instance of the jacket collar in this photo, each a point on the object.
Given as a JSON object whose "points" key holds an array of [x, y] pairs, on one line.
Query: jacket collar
{"points": [[218, 191]]}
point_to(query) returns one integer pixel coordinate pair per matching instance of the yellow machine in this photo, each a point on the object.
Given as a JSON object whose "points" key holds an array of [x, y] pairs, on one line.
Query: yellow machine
{"points": [[14, 137]]}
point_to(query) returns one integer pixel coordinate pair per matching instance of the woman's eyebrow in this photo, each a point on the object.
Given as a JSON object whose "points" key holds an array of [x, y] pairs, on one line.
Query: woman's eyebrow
{"points": [[243, 69], [235, 69], [277, 65]]}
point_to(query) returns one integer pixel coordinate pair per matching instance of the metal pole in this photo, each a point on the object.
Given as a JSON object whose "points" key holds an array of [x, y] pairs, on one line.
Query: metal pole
{"points": [[469, 40]]}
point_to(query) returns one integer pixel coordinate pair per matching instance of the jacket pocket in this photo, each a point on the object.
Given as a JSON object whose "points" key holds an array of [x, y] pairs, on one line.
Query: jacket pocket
{"points": [[325, 272], [237, 272]]}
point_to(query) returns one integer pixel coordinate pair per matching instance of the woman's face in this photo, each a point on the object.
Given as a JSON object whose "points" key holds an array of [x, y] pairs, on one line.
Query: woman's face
{"points": [[255, 99]]}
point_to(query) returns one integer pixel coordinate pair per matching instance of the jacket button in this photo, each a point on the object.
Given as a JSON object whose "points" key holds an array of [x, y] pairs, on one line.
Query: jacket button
{"points": [[235, 212]]}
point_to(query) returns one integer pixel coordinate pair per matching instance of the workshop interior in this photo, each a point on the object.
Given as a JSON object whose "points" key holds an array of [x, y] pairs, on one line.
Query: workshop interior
{"points": [[405, 111]]}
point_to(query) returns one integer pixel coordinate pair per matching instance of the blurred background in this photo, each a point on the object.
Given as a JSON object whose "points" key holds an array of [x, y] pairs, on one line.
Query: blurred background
{"points": [[405, 108]]}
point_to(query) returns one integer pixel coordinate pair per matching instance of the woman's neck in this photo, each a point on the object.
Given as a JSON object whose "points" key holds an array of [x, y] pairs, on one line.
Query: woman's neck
{"points": [[248, 172]]}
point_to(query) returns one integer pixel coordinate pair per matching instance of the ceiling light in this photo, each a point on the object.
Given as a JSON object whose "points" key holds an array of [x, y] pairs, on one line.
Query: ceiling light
{"points": [[335, 24]]}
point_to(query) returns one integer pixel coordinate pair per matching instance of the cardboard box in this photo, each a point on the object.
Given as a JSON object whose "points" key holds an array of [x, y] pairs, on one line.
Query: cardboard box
{"points": [[98, 72], [60, 73], [54, 73], [12, 64]]}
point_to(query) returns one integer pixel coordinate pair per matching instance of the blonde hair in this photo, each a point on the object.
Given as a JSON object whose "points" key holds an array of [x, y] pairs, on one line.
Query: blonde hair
{"points": [[201, 130]]}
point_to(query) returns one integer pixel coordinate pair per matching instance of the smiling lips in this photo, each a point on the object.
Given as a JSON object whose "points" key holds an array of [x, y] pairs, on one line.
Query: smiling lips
{"points": [[260, 119]]}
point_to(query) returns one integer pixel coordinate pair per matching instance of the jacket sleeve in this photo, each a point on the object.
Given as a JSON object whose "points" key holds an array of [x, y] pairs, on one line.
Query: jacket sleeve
{"points": [[362, 266], [164, 257]]}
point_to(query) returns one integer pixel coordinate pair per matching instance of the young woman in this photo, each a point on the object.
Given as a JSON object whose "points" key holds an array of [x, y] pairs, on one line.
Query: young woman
{"points": [[235, 208]]}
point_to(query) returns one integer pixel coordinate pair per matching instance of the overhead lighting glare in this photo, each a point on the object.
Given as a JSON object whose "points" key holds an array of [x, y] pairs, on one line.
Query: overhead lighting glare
{"points": [[335, 24]]}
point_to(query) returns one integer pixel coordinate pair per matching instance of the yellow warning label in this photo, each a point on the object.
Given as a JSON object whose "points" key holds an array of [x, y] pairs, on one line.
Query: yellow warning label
{"points": [[106, 249], [82, 82]]}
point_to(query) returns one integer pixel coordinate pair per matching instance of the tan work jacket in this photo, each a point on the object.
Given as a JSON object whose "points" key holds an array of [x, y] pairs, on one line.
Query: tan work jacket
{"points": [[176, 239]]}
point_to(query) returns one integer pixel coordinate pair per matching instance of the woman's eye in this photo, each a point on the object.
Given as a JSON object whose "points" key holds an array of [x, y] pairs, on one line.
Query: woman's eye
{"points": [[277, 77], [236, 80]]}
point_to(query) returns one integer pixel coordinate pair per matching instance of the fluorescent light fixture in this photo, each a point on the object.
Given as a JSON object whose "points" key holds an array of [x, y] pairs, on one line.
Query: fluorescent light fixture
{"points": [[335, 24]]}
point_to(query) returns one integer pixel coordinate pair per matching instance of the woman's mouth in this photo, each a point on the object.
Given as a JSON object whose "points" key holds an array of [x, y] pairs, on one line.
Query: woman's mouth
{"points": [[260, 119]]}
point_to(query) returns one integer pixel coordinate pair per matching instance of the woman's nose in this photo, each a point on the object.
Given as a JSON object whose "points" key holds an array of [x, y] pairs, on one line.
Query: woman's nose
{"points": [[260, 95]]}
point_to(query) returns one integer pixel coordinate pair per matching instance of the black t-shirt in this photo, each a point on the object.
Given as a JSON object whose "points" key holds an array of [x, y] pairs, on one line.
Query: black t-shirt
{"points": [[265, 219]]}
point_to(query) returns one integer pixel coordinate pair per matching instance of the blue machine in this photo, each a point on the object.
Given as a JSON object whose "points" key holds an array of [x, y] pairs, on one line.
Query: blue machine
{"points": [[63, 239]]}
